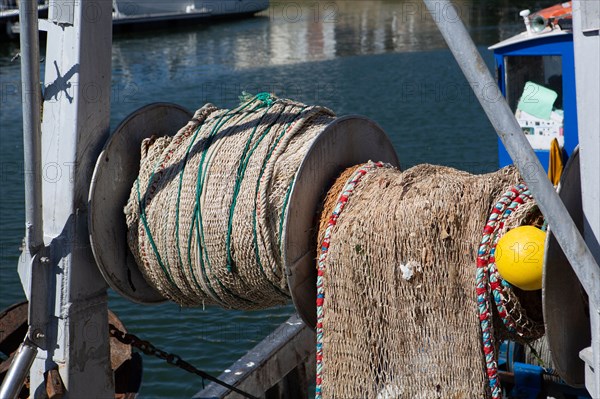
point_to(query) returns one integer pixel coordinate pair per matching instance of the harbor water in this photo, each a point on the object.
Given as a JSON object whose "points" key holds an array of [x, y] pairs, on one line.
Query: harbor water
{"points": [[383, 59]]}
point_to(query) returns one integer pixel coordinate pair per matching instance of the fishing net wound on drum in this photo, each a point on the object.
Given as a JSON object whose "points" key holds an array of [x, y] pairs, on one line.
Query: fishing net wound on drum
{"points": [[205, 215], [398, 315]]}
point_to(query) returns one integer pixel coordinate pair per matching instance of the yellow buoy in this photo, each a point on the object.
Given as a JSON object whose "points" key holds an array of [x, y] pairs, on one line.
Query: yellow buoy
{"points": [[520, 256]]}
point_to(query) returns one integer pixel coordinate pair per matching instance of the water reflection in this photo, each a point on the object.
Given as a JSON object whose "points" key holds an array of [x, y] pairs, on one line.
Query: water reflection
{"points": [[302, 31]]}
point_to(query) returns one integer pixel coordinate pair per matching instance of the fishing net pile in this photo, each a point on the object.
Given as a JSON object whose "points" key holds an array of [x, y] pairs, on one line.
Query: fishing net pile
{"points": [[205, 215], [398, 309]]}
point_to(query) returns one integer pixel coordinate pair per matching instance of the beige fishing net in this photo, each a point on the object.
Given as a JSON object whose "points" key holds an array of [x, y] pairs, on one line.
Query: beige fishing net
{"points": [[205, 215], [400, 311], [400, 316]]}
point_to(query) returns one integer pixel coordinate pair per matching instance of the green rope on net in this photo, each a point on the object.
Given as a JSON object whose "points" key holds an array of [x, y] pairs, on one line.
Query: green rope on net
{"points": [[197, 213], [246, 154], [257, 188]]}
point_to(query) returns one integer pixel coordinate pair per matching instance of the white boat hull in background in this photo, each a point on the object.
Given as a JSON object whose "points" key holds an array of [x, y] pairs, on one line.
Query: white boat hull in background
{"points": [[131, 12], [127, 11]]}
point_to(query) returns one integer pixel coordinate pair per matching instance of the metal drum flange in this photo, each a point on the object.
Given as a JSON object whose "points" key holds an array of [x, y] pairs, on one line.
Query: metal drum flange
{"points": [[116, 169], [565, 303], [347, 141]]}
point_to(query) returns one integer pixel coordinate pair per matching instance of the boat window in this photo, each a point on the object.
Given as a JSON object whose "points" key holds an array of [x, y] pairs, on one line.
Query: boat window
{"points": [[534, 93], [543, 70]]}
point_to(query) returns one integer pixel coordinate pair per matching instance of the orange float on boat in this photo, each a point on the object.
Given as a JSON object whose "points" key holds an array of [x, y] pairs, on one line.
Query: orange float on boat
{"points": [[547, 17]]}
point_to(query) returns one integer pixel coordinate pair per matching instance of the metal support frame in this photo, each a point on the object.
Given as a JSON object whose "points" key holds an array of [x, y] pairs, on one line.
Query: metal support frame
{"points": [[34, 230], [32, 149], [447, 18], [76, 115]]}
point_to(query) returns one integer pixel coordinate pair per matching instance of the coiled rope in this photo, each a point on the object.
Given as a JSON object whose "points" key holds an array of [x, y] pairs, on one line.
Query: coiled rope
{"points": [[205, 215], [492, 289]]}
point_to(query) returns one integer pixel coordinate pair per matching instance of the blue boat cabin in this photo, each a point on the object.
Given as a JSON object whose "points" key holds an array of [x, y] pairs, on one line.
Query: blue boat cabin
{"points": [[536, 74]]}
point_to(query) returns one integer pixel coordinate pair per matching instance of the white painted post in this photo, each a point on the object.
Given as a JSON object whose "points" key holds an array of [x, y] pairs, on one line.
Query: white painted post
{"points": [[74, 128], [586, 31]]}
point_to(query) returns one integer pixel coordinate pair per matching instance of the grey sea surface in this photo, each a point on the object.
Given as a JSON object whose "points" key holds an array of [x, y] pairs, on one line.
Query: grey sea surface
{"points": [[383, 59]]}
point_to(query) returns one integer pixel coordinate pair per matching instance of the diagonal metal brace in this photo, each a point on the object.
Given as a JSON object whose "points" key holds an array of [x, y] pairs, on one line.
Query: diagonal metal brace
{"points": [[500, 115]]}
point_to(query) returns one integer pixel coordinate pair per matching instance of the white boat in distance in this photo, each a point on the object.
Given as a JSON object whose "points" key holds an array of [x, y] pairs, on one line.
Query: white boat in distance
{"points": [[129, 11], [146, 13]]}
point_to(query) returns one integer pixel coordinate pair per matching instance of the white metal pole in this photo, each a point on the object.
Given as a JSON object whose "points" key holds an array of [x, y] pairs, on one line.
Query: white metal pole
{"points": [[31, 102], [18, 371]]}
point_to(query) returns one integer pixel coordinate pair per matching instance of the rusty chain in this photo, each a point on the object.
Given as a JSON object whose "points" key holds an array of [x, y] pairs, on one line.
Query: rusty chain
{"points": [[147, 348]]}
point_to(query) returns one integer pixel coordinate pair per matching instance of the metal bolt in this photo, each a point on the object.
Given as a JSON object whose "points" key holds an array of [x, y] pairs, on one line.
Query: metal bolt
{"points": [[38, 334]]}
